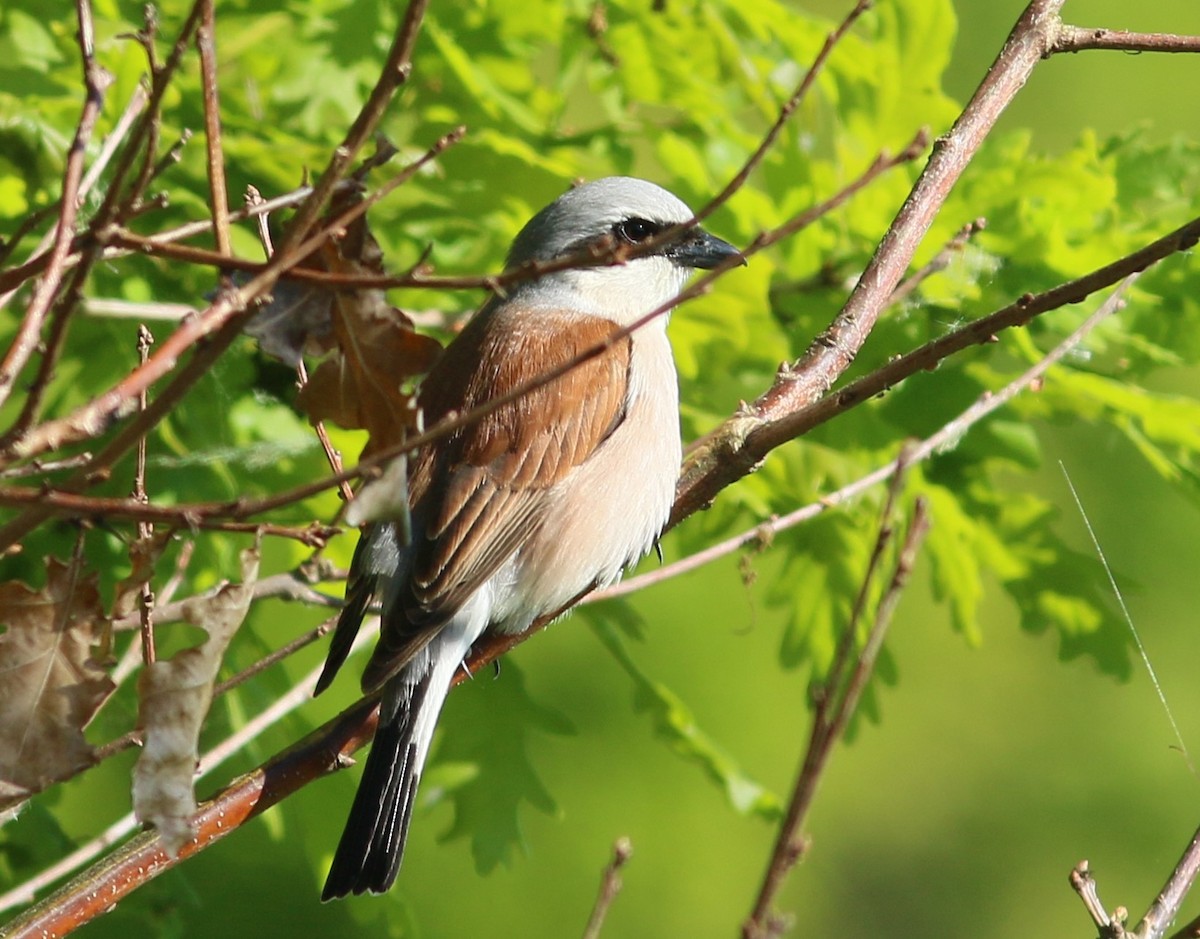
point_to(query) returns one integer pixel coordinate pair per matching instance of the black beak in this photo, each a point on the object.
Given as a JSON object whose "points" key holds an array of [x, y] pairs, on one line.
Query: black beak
{"points": [[698, 249]]}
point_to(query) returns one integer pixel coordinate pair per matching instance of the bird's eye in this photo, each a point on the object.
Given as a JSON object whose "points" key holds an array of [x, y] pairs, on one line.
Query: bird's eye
{"points": [[635, 230]]}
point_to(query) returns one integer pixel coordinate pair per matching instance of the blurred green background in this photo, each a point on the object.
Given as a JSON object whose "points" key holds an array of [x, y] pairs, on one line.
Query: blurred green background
{"points": [[992, 769]]}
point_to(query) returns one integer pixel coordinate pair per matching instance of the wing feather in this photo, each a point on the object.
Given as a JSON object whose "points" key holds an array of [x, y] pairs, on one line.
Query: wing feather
{"points": [[476, 494]]}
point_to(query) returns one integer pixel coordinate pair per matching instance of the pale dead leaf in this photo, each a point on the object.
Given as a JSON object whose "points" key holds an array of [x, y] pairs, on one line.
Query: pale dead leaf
{"points": [[296, 321], [175, 696], [50, 683], [143, 555]]}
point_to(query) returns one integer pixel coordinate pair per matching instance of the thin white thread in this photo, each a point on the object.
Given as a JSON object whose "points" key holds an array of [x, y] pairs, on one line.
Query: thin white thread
{"points": [[1137, 639]]}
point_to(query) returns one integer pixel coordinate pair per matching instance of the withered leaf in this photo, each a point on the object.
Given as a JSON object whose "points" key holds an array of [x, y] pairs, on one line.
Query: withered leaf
{"points": [[174, 698], [358, 385], [50, 683], [370, 347], [143, 555], [296, 321], [376, 348]]}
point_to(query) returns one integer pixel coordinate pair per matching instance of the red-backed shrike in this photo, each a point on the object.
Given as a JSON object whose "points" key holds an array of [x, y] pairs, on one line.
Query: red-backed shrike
{"points": [[515, 516]]}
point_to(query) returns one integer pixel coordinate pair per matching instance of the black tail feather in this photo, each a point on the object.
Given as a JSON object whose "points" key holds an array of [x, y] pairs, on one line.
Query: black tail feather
{"points": [[360, 590], [358, 598], [372, 845]]}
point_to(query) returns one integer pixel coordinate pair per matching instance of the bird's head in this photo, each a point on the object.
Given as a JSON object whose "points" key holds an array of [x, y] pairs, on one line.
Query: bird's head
{"points": [[618, 211]]}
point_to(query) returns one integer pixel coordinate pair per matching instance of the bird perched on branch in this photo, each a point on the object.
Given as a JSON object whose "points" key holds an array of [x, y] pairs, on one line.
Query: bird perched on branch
{"points": [[514, 516]]}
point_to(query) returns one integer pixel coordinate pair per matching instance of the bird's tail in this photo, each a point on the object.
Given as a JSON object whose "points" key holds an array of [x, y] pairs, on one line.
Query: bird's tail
{"points": [[372, 844]]}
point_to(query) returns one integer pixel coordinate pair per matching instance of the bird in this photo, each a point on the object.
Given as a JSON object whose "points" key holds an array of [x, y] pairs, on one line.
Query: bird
{"points": [[515, 516]]}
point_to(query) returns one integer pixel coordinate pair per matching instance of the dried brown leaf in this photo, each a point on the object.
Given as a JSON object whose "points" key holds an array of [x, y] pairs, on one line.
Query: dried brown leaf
{"points": [[375, 348], [50, 683], [175, 696]]}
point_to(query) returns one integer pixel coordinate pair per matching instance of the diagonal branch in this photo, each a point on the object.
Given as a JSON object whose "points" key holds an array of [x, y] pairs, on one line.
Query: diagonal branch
{"points": [[96, 82], [802, 383], [835, 701], [953, 430]]}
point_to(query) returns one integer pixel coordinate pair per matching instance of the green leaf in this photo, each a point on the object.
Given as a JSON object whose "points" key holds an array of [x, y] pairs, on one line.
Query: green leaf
{"points": [[676, 725], [487, 726]]}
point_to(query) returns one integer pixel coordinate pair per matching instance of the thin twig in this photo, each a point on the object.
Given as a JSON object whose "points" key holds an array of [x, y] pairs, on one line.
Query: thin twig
{"points": [[218, 194], [952, 431], [41, 467], [939, 262], [394, 73], [785, 112], [1081, 38], [836, 700], [145, 529], [296, 586], [131, 309], [96, 82], [1082, 881], [610, 886], [72, 505]]}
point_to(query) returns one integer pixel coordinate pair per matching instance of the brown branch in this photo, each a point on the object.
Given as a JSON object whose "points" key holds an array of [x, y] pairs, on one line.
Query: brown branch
{"points": [[295, 586], [42, 467], [395, 72], [1110, 927], [96, 82], [119, 205], [145, 529], [785, 112], [1163, 910], [744, 440], [1080, 38], [65, 503], [16, 276], [218, 192]]}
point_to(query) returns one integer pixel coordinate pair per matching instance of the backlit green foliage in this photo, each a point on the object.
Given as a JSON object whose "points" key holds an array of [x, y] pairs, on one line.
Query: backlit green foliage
{"points": [[680, 95]]}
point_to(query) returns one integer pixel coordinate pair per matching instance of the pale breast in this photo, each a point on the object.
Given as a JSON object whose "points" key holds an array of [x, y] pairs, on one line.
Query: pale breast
{"points": [[608, 512]]}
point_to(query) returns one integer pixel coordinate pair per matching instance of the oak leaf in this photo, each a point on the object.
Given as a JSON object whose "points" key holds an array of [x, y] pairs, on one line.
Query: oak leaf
{"points": [[50, 682], [174, 697]]}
